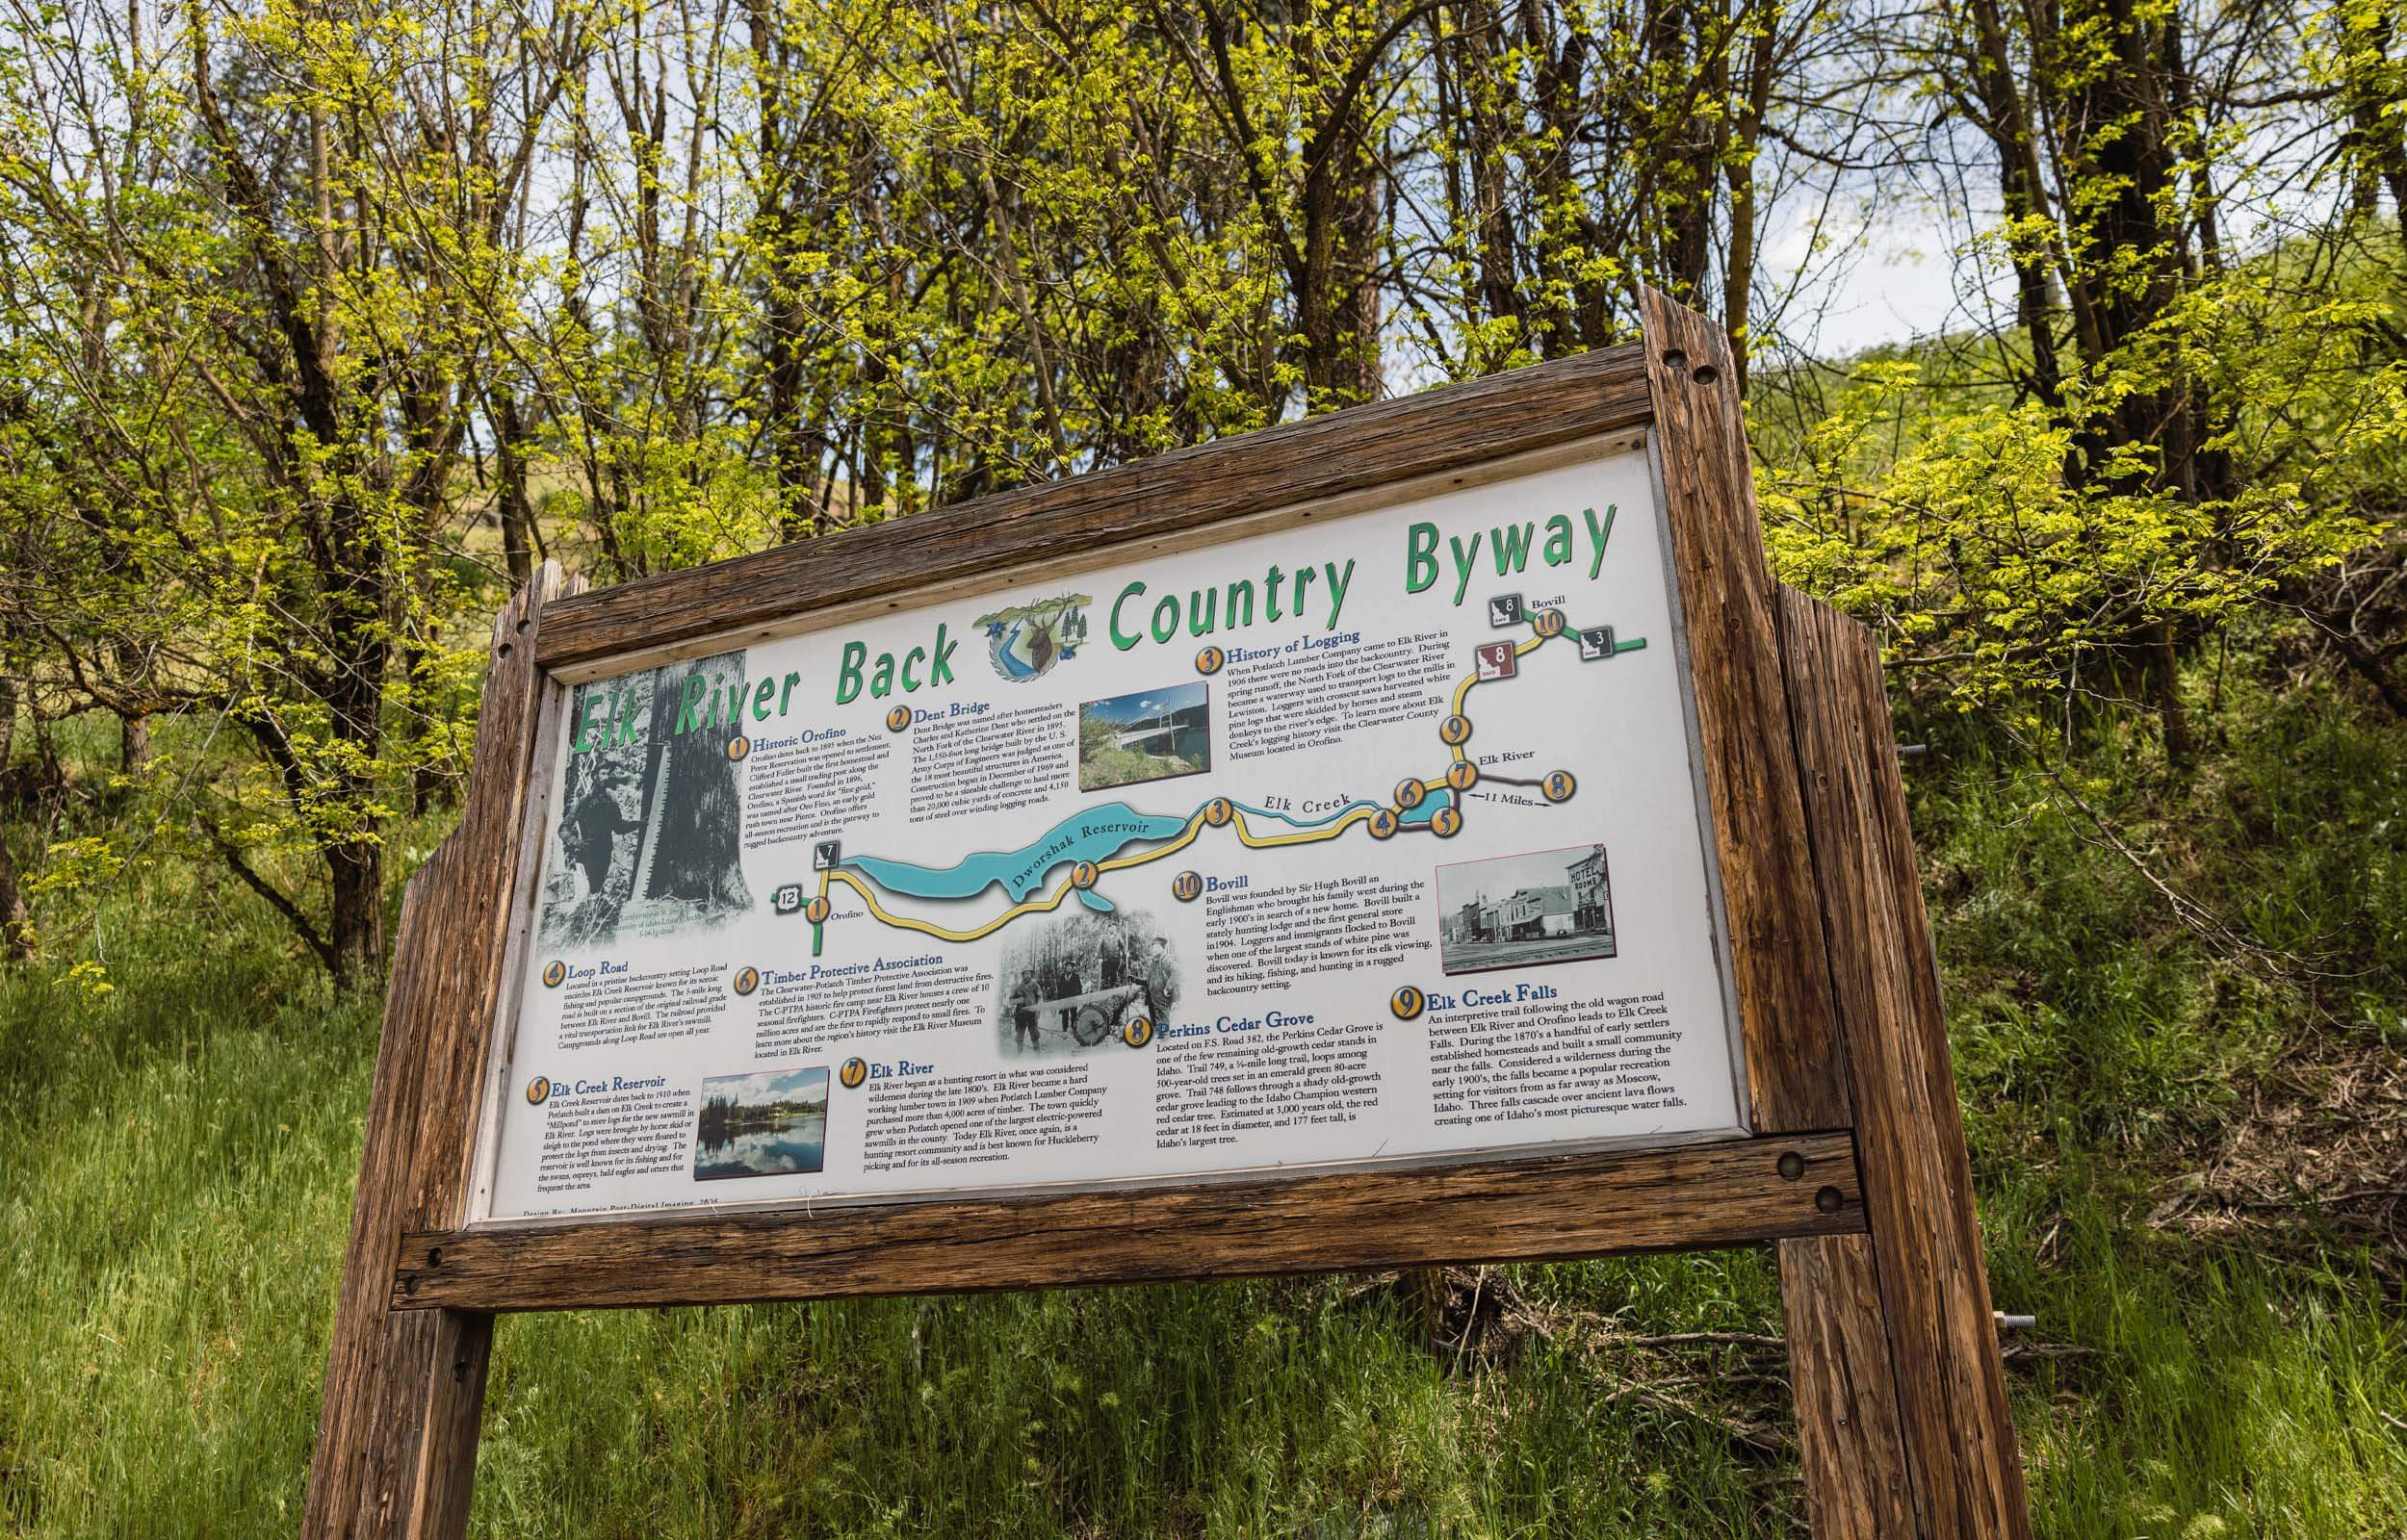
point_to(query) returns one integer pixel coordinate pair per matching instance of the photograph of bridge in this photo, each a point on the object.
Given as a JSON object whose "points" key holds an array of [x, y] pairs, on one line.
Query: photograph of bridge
{"points": [[1145, 735]]}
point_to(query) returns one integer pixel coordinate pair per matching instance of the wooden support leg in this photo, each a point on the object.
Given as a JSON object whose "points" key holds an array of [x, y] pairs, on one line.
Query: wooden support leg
{"points": [[1902, 1416], [396, 1431], [404, 1392], [1917, 1280], [1849, 1445]]}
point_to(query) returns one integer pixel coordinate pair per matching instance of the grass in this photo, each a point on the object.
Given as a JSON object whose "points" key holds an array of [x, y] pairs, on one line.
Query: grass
{"points": [[175, 1190]]}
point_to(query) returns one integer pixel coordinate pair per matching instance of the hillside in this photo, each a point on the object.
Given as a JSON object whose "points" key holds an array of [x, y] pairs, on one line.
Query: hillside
{"points": [[2191, 1162]]}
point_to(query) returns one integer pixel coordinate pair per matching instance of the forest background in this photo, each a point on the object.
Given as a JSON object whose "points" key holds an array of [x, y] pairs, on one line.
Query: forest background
{"points": [[322, 323]]}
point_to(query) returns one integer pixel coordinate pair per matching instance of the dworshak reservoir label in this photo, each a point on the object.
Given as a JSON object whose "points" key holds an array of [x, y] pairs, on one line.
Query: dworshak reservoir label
{"points": [[1371, 839]]}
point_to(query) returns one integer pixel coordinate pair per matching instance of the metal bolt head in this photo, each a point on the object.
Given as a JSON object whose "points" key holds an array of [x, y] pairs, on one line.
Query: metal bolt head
{"points": [[1829, 1201], [1792, 1165]]}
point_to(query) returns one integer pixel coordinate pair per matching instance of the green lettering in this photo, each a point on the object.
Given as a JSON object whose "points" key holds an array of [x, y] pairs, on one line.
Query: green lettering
{"points": [[1123, 643], [1463, 560], [1558, 540], [689, 709], [848, 674], [1512, 546], [580, 740], [1338, 581], [1599, 533], [1421, 558]]}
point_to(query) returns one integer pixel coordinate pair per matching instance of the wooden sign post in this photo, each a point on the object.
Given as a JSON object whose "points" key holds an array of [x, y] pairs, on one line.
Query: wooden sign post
{"points": [[600, 825]]}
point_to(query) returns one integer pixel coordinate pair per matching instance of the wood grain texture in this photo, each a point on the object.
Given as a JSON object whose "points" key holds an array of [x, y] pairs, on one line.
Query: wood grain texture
{"points": [[1423, 434], [1776, 957], [397, 1428], [1559, 1206], [1966, 1473], [1850, 1446]]}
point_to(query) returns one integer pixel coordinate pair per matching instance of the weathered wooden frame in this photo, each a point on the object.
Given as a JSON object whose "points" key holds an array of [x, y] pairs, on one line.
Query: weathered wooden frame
{"points": [[1856, 1169]]}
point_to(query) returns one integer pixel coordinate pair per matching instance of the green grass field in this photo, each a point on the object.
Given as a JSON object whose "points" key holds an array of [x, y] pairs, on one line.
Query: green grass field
{"points": [[2181, 1151]]}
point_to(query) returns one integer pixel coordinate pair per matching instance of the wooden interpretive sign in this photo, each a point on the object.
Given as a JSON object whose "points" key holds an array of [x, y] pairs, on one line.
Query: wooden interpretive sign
{"points": [[1422, 833]]}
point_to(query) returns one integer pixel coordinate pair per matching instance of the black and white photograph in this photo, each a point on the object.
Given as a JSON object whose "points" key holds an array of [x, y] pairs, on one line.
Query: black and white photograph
{"points": [[647, 838], [1515, 911], [1084, 981]]}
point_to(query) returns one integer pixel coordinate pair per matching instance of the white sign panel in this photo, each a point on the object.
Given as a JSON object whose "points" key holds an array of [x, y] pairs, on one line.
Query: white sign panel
{"points": [[1371, 839]]}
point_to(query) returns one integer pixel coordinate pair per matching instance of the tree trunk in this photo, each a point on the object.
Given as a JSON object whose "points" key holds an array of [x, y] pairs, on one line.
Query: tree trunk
{"points": [[697, 855], [518, 514], [1738, 278], [2165, 671], [356, 916], [2006, 117], [16, 923]]}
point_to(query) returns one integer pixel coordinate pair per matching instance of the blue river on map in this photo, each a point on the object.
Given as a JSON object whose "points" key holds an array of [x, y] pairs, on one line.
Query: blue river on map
{"points": [[1097, 834]]}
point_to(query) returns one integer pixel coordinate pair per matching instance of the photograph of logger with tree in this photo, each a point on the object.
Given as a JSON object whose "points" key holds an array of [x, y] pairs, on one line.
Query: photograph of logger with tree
{"points": [[648, 832], [1084, 981]]}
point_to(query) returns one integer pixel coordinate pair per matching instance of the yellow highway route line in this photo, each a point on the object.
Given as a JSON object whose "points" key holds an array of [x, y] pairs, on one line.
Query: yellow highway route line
{"points": [[1464, 688], [1024, 906], [1195, 828]]}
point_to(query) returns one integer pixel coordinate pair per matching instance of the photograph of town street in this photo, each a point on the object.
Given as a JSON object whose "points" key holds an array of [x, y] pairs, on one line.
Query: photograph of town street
{"points": [[1513, 911]]}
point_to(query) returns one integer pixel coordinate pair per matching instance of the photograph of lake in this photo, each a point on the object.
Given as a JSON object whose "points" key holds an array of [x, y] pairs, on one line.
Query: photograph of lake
{"points": [[771, 1123]]}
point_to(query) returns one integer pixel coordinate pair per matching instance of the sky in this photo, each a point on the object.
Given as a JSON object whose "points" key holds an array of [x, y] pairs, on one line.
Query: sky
{"points": [[1142, 704], [1501, 875], [1899, 285], [781, 1085]]}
